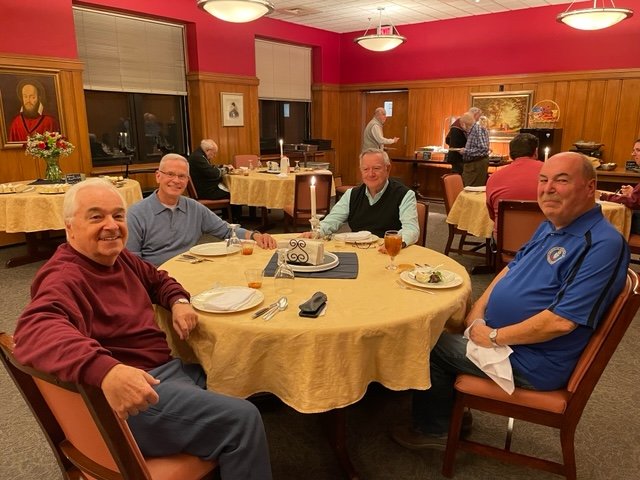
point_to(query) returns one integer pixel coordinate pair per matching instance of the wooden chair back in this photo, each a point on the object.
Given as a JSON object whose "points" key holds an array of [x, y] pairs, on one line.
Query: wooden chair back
{"points": [[451, 186], [223, 204], [423, 217], [560, 409], [517, 221], [300, 212], [245, 160], [86, 435]]}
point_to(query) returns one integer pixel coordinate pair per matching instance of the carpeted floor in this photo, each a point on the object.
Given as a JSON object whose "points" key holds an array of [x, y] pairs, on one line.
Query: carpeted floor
{"points": [[607, 439]]}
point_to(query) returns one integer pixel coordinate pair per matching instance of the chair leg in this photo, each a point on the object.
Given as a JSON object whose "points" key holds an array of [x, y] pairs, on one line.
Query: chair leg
{"points": [[507, 442], [461, 243], [568, 453], [453, 439], [447, 248]]}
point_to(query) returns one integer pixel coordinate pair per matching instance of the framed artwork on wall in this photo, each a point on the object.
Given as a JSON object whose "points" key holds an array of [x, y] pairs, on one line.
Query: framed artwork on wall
{"points": [[507, 112], [232, 107], [29, 103]]}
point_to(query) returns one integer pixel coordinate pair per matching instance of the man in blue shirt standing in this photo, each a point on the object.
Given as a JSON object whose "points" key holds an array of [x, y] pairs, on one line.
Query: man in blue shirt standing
{"points": [[564, 278], [475, 156]]}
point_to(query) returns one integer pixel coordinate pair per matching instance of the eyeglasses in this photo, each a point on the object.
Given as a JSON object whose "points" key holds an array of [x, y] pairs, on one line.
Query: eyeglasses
{"points": [[180, 176]]}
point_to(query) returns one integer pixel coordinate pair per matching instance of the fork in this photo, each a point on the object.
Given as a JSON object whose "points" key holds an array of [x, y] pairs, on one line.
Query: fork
{"points": [[407, 287]]}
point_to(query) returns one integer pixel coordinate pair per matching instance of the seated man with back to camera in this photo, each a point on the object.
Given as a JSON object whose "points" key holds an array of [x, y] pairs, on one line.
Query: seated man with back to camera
{"points": [[91, 320], [166, 223], [564, 278], [378, 205], [519, 179], [629, 196]]}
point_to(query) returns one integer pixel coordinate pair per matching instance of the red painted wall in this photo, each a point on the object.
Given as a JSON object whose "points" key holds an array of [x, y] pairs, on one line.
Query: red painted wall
{"points": [[521, 41]]}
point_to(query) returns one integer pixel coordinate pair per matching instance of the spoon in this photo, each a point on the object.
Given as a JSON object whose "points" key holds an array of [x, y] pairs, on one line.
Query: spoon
{"points": [[283, 303]]}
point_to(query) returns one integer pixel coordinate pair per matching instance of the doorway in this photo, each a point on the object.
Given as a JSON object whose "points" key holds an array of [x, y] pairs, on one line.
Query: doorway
{"points": [[396, 103]]}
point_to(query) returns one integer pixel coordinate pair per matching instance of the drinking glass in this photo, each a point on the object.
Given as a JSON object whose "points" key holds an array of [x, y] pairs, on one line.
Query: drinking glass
{"points": [[234, 244], [283, 278], [393, 245]]}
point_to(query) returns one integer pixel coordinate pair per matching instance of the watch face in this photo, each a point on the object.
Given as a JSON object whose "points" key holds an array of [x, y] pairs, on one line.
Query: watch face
{"points": [[493, 334]]}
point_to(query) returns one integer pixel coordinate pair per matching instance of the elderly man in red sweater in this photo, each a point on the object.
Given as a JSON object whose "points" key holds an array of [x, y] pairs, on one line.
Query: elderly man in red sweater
{"points": [[91, 320]]}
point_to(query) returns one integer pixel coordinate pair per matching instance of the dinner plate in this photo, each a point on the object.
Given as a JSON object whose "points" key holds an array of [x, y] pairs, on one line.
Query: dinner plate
{"points": [[329, 261], [450, 280], [348, 237], [215, 249], [199, 300]]}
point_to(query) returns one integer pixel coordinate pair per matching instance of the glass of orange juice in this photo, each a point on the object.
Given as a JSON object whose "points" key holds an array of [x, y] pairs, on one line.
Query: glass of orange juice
{"points": [[254, 277], [393, 245]]}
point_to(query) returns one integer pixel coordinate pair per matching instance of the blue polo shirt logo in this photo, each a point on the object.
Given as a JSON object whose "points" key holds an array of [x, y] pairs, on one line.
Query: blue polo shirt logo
{"points": [[555, 254]]}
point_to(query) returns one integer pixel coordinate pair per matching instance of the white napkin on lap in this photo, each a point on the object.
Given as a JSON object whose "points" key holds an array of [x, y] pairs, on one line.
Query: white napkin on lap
{"points": [[492, 361], [475, 189], [355, 236], [230, 300]]}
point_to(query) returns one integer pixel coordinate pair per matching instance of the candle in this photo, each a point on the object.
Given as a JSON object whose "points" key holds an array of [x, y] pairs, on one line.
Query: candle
{"points": [[312, 188], [546, 153], [281, 153]]}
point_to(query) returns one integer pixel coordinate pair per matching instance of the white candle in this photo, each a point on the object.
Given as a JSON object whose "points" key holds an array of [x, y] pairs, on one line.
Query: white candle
{"points": [[281, 152], [546, 153], [312, 188]]}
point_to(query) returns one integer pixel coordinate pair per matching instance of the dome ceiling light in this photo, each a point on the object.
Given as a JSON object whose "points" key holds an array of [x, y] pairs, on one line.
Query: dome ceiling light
{"points": [[236, 11], [386, 37], [595, 18]]}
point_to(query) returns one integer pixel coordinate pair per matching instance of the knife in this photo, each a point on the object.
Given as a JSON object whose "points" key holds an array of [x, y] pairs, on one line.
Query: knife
{"points": [[257, 313]]}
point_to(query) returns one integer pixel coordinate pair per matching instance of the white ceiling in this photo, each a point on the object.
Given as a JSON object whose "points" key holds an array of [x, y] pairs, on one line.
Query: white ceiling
{"points": [[351, 15]]}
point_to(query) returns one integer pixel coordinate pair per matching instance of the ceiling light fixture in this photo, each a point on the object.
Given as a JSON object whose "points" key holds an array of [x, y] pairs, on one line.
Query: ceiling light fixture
{"points": [[594, 18], [236, 11], [386, 37]]}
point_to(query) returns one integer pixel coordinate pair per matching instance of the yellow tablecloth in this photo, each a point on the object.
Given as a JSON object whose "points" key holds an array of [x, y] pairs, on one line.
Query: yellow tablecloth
{"points": [[35, 212], [372, 331], [260, 189], [469, 212]]}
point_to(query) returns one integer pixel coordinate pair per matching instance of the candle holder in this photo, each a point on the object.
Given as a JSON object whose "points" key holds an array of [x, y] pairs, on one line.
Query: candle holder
{"points": [[315, 226]]}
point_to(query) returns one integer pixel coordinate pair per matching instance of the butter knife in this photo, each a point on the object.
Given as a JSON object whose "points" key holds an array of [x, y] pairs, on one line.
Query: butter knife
{"points": [[257, 313]]}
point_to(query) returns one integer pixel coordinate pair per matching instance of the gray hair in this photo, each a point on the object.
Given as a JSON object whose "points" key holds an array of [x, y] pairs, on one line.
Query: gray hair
{"points": [[475, 111], [208, 144], [70, 205], [380, 110], [385, 155], [172, 156], [467, 120]]}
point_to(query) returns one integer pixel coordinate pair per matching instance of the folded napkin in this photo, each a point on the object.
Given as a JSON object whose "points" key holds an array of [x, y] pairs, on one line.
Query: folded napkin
{"points": [[492, 361], [475, 189], [283, 175], [355, 236], [229, 300]]}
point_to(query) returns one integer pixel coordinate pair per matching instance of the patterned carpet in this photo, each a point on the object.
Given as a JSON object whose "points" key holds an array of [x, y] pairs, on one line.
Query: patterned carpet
{"points": [[607, 438]]}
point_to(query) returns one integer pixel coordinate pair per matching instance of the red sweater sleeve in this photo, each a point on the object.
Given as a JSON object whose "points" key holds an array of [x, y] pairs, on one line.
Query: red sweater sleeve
{"points": [[632, 202]]}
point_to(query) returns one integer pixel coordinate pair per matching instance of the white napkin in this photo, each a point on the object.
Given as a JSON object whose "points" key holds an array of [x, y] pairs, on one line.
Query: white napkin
{"points": [[356, 236], [475, 189], [283, 175], [492, 361], [322, 171], [230, 300]]}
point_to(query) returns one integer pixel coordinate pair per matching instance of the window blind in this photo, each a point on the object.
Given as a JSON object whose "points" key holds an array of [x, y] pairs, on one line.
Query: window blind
{"points": [[129, 54], [284, 71]]}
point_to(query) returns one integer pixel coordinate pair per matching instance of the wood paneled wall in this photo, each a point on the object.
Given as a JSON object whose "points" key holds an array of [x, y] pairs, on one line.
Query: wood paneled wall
{"points": [[603, 106]]}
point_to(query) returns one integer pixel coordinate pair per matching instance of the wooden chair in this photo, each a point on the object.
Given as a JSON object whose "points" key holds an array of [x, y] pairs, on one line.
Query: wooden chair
{"points": [[300, 212], [634, 247], [452, 186], [340, 188], [244, 160], [423, 217], [517, 221], [560, 409], [223, 204], [86, 436]]}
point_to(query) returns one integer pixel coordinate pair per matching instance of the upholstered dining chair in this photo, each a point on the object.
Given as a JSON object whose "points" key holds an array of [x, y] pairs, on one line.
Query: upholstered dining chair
{"points": [[517, 221], [222, 204], [300, 212], [423, 217], [87, 437], [452, 186], [245, 160], [559, 409], [634, 247]]}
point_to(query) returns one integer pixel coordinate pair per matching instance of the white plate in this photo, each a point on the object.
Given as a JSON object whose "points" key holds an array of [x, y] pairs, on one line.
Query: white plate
{"points": [[347, 237], [450, 280], [329, 261], [214, 249], [475, 189], [199, 300]]}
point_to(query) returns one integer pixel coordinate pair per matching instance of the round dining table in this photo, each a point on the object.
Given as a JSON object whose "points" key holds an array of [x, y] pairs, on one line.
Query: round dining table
{"points": [[372, 331], [469, 212]]}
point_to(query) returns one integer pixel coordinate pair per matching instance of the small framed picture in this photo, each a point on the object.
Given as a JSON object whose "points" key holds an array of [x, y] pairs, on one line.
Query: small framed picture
{"points": [[232, 106]]}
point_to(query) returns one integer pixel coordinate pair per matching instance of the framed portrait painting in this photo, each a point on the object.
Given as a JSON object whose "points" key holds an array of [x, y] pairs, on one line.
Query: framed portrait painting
{"points": [[507, 112], [29, 103], [232, 109]]}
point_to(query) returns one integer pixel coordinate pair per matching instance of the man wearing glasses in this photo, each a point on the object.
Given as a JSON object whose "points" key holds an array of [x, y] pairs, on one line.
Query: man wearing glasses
{"points": [[379, 204], [166, 223]]}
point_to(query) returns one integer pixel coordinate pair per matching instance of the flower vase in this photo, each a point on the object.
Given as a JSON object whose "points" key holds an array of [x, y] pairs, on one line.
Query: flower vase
{"points": [[53, 171]]}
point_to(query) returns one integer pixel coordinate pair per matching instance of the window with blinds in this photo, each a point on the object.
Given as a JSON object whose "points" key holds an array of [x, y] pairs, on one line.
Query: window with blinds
{"points": [[284, 71], [129, 54]]}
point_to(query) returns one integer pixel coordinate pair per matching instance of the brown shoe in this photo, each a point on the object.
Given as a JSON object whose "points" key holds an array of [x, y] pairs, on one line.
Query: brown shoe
{"points": [[409, 438]]}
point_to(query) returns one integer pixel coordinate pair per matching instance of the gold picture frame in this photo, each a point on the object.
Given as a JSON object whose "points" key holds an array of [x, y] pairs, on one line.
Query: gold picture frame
{"points": [[507, 112], [22, 90], [232, 108]]}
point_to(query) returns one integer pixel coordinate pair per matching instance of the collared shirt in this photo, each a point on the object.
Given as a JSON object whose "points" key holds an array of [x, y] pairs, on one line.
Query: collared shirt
{"points": [[158, 233], [408, 214], [373, 137], [477, 143]]}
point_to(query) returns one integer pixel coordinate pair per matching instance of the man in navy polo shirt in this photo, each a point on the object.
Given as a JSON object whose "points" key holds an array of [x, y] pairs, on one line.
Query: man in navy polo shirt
{"points": [[545, 304]]}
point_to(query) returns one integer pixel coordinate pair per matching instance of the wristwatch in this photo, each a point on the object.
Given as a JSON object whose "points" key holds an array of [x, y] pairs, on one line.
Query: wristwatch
{"points": [[182, 300], [253, 234], [493, 334]]}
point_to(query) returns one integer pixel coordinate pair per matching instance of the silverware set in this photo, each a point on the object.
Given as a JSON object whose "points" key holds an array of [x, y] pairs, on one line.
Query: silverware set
{"points": [[408, 287], [187, 257], [267, 313]]}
